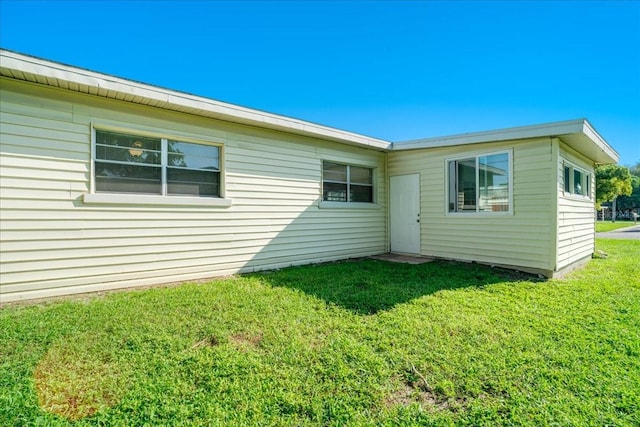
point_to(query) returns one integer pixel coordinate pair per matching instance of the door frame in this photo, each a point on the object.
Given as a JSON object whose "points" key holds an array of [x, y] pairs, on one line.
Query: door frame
{"points": [[419, 210]]}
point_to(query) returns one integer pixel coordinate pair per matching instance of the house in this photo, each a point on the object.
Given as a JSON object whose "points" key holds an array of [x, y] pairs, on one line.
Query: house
{"points": [[520, 197], [109, 183]]}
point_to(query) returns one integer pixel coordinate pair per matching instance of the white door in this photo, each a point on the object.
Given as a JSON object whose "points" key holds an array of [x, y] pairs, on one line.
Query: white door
{"points": [[404, 198]]}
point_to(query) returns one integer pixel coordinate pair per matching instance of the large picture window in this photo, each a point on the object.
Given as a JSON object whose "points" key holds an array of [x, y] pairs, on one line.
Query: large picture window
{"points": [[136, 164], [346, 183], [480, 183]]}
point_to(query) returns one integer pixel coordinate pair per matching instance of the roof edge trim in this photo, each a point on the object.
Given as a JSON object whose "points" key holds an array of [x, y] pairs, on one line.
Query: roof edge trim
{"points": [[54, 73], [520, 132], [579, 134]]}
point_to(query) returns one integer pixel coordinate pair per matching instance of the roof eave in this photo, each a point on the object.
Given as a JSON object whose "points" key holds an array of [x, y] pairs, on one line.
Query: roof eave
{"points": [[36, 70], [603, 153], [578, 134]]}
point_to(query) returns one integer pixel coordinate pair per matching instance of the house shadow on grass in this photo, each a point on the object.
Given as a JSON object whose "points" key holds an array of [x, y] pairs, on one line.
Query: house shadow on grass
{"points": [[367, 286]]}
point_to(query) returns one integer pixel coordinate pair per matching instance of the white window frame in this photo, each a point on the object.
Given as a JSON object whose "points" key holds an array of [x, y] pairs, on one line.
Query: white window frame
{"points": [[94, 197], [373, 204], [587, 192], [477, 155]]}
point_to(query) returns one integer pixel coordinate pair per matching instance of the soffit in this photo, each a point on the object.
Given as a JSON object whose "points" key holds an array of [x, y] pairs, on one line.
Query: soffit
{"points": [[35, 70]]}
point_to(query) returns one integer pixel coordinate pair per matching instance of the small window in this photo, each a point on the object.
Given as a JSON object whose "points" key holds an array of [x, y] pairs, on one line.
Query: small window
{"points": [[576, 181], [346, 183], [480, 184], [142, 165]]}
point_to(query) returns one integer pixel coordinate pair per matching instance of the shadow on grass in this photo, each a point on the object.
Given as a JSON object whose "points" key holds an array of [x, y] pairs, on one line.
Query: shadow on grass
{"points": [[368, 286]]}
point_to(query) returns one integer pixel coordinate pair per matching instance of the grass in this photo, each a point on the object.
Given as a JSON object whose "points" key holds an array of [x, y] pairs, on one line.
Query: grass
{"points": [[354, 343], [604, 226]]}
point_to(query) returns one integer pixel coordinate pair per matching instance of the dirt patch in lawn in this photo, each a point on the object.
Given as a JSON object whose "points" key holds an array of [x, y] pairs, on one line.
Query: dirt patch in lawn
{"points": [[75, 379], [413, 388], [245, 341], [210, 341], [408, 394]]}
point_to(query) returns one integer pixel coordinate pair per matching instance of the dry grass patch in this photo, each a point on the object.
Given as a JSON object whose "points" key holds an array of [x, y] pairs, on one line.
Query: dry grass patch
{"points": [[245, 341], [210, 341], [413, 388], [408, 394], [73, 386]]}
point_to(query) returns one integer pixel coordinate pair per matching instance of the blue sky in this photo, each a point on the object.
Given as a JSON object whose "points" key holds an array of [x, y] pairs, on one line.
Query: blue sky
{"points": [[389, 69]]}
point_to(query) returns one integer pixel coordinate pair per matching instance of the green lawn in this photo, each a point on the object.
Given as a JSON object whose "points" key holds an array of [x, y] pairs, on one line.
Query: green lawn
{"points": [[603, 226], [353, 343]]}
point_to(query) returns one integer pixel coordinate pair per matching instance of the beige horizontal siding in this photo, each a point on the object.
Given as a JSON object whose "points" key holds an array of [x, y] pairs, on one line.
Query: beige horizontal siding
{"points": [[53, 243], [576, 214], [524, 239]]}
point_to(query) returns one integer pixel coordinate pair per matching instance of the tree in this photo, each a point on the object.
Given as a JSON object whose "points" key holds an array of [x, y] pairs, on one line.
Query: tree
{"points": [[612, 181], [632, 201]]}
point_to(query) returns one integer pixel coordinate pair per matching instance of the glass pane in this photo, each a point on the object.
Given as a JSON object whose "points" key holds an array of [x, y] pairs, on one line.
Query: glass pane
{"points": [[567, 179], [361, 193], [127, 148], [360, 175], [334, 172], [193, 183], [453, 196], [493, 174], [332, 192], [118, 178], [577, 182], [193, 156], [466, 185]]}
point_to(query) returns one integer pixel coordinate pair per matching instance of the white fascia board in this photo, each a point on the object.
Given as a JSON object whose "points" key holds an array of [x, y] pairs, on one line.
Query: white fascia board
{"points": [[174, 100], [578, 134], [523, 132], [607, 153]]}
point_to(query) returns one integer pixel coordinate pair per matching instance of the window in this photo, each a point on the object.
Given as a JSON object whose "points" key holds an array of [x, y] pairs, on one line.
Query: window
{"points": [[144, 165], [576, 181], [480, 183], [346, 183]]}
